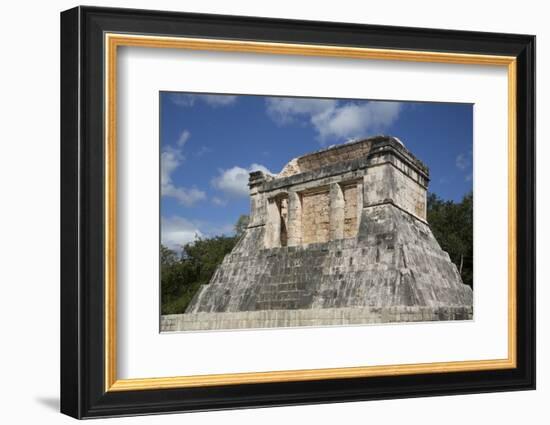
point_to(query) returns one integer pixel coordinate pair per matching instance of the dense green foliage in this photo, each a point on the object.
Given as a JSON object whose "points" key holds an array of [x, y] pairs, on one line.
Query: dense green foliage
{"points": [[452, 225], [182, 273]]}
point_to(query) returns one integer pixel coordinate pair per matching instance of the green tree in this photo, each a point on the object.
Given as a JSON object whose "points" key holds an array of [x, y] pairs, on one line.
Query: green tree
{"points": [[183, 273], [452, 225], [167, 256]]}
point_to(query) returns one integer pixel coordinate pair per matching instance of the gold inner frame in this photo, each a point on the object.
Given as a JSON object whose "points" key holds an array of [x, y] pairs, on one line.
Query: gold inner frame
{"points": [[113, 41]]}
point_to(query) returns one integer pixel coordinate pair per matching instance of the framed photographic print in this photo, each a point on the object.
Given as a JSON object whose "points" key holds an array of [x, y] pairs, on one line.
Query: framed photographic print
{"points": [[261, 212]]}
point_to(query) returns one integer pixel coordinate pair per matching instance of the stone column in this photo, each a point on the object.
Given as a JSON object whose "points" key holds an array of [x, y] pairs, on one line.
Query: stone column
{"points": [[273, 227], [294, 219], [359, 203], [336, 214], [257, 199]]}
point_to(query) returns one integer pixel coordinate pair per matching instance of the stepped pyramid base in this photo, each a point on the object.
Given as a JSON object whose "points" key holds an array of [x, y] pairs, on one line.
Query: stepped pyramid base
{"points": [[393, 271]]}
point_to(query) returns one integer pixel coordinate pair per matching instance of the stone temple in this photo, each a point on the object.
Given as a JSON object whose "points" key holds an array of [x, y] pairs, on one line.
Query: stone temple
{"points": [[338, 237]]}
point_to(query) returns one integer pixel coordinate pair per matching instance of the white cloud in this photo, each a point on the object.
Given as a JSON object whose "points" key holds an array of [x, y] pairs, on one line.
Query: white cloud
{"points": [[185, 196], [335, 120], [203, 150], [214, 100], [170, 159], [355, 120], [177, 231], [218, 100], [219, 202], [184, 137], [234, 181], [182, 99], [284, 110], [463, 161]]}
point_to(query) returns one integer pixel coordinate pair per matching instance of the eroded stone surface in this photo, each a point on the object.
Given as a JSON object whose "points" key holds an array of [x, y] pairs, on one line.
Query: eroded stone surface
{"points": [[339, 237], [317, 317], [394, 261]]}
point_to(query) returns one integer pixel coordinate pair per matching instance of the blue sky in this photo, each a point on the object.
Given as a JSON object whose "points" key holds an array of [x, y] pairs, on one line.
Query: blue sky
{"points": [[209, 144]]}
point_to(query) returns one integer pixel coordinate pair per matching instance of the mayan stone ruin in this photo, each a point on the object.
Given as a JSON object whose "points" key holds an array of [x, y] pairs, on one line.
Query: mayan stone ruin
{"points": [[338, 237]]}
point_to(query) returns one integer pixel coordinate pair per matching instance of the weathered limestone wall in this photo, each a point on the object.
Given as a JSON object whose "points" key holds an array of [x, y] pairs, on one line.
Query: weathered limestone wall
{"points": [[326, 213], [319, 317], [258, 201], [315, 217], [410, 195], [272, 237], [386, 183], [321, 210], [337, 206], [350, 211], [342, 153], [295, 213], [394, 261]]}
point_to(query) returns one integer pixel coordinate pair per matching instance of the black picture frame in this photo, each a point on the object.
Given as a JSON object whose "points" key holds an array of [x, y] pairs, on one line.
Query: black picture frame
{"points": [[83, 392]]}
